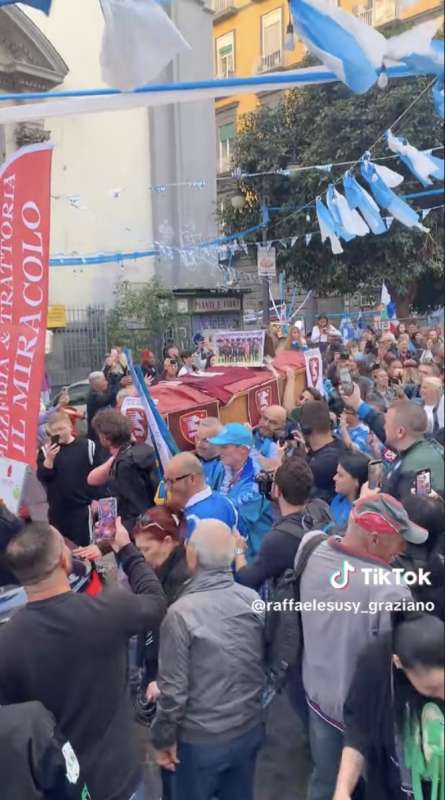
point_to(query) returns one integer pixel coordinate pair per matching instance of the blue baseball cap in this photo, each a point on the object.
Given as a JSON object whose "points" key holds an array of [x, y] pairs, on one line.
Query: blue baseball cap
{"points": [[233, 433]]}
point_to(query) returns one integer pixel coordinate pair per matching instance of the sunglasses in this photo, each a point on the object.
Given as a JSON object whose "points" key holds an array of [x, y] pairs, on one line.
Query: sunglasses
{"points": [[144, 522], [172, 481]]}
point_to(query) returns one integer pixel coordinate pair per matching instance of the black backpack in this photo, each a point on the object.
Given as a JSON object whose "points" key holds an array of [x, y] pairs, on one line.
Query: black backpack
{"points": [[283, 626]]}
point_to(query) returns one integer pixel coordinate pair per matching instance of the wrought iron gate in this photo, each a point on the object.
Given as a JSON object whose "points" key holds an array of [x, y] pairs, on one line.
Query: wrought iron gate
{"points": [[78, 348]]}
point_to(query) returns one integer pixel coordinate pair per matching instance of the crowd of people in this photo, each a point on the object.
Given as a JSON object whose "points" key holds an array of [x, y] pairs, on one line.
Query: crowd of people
{"points": [[304, 558]]}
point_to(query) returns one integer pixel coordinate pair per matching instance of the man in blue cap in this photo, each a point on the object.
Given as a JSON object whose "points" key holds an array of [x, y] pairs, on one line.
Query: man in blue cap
{"points": [[239, 485]]}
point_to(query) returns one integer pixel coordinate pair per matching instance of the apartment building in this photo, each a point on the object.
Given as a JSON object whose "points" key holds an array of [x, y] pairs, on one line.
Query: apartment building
{"points": [[251, 37]]}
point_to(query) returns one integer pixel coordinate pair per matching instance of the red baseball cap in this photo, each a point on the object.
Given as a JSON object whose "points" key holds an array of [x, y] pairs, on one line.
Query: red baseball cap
{"points": [[383, 514]]}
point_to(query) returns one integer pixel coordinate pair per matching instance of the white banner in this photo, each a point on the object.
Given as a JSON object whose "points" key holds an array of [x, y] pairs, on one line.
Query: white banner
{"points": [[267, 262], [12, 478], [314, 369]]}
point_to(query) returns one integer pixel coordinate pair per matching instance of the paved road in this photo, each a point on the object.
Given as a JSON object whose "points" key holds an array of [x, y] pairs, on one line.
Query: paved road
{"points": [[283, 765]]}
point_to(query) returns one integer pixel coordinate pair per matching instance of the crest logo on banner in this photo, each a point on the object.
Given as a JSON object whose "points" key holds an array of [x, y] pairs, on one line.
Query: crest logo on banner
{"points": [[263, 397], [188, 424], [259, 398], [314, 369], [133, 409]]}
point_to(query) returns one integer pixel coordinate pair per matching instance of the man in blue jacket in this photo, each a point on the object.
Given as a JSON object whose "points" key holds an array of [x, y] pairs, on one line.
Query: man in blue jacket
{"points": [[188, 491], [240, 486]]}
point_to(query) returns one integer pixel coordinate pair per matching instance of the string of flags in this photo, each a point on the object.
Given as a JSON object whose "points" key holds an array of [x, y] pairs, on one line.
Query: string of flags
{"points": [[358, 212], [196, 255], [400, 148]]}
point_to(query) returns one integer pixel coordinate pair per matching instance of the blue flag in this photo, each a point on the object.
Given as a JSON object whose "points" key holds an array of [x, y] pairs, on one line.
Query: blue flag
{"points": [[42, 5]]}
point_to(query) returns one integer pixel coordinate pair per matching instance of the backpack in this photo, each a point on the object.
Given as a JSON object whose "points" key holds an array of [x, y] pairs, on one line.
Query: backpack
{"points": [[283, 628]]}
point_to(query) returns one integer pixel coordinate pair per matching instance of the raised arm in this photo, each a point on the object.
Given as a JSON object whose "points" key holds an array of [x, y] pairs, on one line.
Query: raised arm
{"points": [[100, 475]]}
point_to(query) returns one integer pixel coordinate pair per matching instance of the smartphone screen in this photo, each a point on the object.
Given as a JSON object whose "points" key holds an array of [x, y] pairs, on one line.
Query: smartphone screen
{"points": [[345, 376], [106, 525], [55, 439], [376, 472], [423, 482]]}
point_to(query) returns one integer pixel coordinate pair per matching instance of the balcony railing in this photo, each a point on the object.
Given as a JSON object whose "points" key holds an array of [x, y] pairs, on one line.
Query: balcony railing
{"points": [[381, 12], [223, 7], [271, 61], [366, 16], [224, 74]]}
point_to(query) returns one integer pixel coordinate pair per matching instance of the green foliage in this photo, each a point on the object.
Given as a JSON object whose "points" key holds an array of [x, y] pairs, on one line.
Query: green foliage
{"points": [[326, 124], [141, 316]]}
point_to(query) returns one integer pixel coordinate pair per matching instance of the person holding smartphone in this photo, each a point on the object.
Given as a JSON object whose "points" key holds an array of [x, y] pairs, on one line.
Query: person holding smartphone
{"points": [[63, 465]]}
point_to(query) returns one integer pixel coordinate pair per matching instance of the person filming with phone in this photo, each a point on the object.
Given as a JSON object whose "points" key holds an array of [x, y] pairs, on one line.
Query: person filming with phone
{"points": [[63, 466], [403, 430]]}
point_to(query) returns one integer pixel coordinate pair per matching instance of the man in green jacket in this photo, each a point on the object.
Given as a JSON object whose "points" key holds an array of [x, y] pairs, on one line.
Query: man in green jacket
{"points": [[403, 429]]}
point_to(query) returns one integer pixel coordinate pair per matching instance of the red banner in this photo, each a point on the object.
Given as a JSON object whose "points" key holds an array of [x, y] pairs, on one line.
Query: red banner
{"points": [[261, 397], [24, 251], [184, 424]]}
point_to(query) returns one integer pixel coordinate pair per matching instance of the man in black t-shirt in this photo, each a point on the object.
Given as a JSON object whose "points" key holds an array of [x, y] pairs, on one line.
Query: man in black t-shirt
{"points": [[69, 651], [322, 448]]}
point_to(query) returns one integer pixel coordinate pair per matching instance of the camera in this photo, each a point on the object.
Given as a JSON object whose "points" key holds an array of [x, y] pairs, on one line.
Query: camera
{"points": [[265, 481]]}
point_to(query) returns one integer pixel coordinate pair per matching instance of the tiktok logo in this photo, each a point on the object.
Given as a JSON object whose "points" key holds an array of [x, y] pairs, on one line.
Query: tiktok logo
{"points": [[340, 578]]}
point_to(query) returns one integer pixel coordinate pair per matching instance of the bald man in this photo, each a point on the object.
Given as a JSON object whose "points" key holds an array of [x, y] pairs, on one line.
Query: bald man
{"points": [[208, 727], [272, 425], [207, 453], [403, 429], [188, 491]]}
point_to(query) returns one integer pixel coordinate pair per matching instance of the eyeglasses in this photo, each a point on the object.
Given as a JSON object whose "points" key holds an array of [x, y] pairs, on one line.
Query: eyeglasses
{"points": [[172, 481]]}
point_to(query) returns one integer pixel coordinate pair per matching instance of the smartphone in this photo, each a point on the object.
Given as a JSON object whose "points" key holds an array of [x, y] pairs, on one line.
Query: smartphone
{"points": [[55, 439], [376, 473], [105, 529], [423, 482], [346, 381]]}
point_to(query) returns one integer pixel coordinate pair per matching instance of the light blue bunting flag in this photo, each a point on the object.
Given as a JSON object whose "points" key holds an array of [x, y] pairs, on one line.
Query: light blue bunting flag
{"points": [[327, 226], [42, 5], [355, 51], [386, 198], [360, 199], [421, 164]]}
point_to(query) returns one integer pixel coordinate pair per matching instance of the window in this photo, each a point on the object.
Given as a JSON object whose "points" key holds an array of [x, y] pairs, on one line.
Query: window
{"points": [[225, 55], [271, 39], [226, 134]]}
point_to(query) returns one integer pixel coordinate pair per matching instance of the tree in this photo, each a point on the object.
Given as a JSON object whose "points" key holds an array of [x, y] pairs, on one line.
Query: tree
{"points": [[326, 124], [141, 317]]}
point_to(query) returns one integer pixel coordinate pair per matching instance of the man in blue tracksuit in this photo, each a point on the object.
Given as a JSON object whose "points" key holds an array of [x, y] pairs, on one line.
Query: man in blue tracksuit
{"points": [[239, 485], [188, 491]]}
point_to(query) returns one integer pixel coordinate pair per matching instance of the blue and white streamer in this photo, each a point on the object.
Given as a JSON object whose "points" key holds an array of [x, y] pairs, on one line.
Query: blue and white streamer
{"points": [[423, 166], [386, 198]]}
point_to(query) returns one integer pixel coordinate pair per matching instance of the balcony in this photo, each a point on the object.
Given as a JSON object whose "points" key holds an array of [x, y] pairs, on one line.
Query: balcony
{"points": [[271, 61], [381, 12], [223, 8]]}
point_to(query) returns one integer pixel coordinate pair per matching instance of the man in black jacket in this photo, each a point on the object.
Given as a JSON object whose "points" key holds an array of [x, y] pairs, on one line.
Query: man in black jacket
{"points": [[130, 470], [63, 465], [69, 651], [36, 762], [292, 487]]}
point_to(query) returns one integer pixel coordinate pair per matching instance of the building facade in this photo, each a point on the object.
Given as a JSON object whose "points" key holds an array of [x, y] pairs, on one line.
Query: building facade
{"points": [[106, 165], [101, 162], [250, 38]]}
